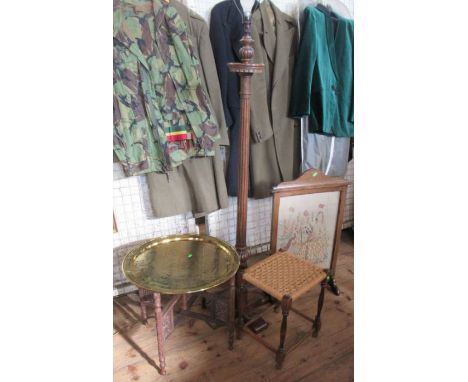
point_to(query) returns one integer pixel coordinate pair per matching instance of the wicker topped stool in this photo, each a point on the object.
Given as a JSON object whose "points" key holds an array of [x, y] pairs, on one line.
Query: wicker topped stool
{"points": [[284, 273], [285, 277]]}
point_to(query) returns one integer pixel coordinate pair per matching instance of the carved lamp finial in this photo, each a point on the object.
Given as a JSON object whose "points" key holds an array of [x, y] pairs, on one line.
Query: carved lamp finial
{"points": [[247, 52], [246, 67]]}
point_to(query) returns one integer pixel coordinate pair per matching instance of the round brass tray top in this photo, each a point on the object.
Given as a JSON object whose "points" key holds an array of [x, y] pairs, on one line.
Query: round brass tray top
{"points": [[179, 264]]}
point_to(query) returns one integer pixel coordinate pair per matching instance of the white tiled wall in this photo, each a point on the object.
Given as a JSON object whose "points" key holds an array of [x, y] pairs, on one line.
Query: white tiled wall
{"points": [[132, 208], [222, 223], [133, 213]]}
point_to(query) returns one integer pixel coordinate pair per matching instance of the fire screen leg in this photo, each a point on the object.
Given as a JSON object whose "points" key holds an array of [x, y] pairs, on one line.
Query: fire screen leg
{"points": [[333, 285]]}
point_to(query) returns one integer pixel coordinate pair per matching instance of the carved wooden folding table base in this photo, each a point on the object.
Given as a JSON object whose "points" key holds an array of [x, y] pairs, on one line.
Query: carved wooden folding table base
{"points": [[221, 314]]}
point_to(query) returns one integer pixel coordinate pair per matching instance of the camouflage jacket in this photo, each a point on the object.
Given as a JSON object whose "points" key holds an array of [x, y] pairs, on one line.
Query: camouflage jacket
{"points": [[162, 114]]}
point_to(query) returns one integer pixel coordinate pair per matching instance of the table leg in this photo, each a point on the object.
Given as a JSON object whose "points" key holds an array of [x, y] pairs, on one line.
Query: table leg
{"points": [[184, 301], [141, 295], [232, 298], [159, 332], [203, 303]]}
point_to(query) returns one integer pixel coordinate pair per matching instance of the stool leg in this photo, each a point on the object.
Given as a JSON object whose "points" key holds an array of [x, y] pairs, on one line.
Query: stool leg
{"points": [[159, 332], [285, 306], [232, 297], [317, 323], [144, 316]]}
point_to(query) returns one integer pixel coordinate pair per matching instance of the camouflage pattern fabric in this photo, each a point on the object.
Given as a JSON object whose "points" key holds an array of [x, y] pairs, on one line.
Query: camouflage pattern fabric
{"points": [[162, 115]]}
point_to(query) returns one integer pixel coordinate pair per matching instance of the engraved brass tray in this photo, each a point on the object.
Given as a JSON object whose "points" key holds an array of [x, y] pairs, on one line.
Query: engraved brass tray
{"points": [[178, 264]]}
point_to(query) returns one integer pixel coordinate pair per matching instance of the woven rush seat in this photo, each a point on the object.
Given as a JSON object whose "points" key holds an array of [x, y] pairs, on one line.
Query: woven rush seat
{"points": [[284, 274]]}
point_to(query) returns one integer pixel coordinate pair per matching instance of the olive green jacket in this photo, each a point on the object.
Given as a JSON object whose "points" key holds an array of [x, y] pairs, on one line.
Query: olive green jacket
{"points": [[275, 145], [323, 76], [162, 114]]}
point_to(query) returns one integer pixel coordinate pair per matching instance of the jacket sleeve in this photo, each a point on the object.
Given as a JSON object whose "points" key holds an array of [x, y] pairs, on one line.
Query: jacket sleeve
{"points": [[261, 128], [351, 106], [304, 69], [220, 44], [212, 82]]}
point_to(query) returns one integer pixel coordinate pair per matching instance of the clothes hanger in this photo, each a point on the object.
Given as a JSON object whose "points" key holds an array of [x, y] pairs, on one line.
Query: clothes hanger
{"points": [[336, 7], [323, 7], [246, 6], [326, 8]]}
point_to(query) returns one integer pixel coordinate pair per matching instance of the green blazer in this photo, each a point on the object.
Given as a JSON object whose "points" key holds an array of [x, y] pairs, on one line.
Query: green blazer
{"points": [[323, 83]]}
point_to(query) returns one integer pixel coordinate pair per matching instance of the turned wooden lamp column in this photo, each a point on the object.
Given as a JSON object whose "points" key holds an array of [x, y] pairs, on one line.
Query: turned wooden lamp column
{"points": [[246, 68]]}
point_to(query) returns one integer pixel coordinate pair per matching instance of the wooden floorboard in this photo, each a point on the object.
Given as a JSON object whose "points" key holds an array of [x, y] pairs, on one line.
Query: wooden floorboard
{"points": [[195, 352]]}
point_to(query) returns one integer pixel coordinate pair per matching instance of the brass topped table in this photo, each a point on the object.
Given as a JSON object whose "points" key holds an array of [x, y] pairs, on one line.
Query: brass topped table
{"points": [[180, 264]]}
